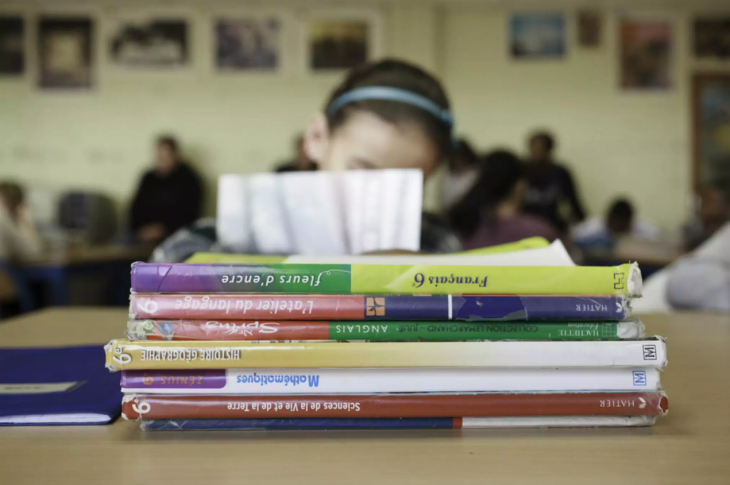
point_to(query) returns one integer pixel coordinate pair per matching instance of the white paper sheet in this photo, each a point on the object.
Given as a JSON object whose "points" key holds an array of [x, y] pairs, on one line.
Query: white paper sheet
{"points": [[321, 213], [553, 255]]}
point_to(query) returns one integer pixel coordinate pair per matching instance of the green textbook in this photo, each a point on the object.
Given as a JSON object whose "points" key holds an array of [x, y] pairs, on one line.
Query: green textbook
{"points": [[387, 279], [384, 331]]}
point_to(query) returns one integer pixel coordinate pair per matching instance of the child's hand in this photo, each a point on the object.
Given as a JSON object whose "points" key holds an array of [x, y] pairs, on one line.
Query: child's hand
{"points": [[151, 232]]}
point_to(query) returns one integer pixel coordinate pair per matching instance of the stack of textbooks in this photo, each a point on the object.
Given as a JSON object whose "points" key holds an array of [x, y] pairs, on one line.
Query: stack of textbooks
{"points": [[362, 346]]}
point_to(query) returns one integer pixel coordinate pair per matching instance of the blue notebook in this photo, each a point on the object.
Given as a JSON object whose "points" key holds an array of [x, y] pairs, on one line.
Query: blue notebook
{"points": [[57, 386]]}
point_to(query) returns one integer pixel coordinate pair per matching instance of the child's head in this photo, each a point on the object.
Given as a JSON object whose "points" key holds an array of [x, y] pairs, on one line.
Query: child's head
{"points": [[715, 203], [12, 195], [541, 145], [500, 183], [388, 114], [620, 217], [463, 157], [167, 154]]}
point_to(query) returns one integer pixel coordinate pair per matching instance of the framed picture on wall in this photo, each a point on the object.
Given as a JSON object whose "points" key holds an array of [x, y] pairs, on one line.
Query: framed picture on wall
{"points": [[248, 43], [537, 35], [336, 41], [711, 127], [65, 52], [711, 38], [12, 45], [149, 42], [645, 53]]}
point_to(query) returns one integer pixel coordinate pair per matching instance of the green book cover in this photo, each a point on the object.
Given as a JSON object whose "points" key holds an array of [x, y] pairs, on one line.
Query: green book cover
{"points": [[387, 279], [496, 280], [463, 331]]}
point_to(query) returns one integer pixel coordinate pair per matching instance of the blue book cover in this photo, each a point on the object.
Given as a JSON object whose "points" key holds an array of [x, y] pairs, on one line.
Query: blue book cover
{"points": [[505, 307], [298, 423], [57, 386]]}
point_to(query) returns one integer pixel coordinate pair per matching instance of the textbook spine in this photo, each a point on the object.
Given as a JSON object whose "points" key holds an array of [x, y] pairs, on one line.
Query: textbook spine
{"points": [[222, 354], [389, 380], [394, 405], [378, 307], [379, 331], [386, 279]]}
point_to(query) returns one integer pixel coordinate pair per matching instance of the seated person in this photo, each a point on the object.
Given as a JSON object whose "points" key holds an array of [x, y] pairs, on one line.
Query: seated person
{"points": [[491, 212], [385, 114], [301, 162], [551, 192], [713, 212], [701, 280], [620, 221], [462, 173], [18, 238], [169, 196]]}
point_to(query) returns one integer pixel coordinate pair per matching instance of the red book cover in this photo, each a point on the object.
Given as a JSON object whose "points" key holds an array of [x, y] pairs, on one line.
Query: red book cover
{"points": [[394, 405], [248, 307]]}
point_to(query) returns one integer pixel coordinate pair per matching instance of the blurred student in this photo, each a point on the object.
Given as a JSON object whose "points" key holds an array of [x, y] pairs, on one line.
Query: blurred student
{"points": [[169, 196], [713, 212], [301, 162], [619, 221], [18, 238], [386, 114], [461, 175], [701, 280], [491, 212], [550, 185]]}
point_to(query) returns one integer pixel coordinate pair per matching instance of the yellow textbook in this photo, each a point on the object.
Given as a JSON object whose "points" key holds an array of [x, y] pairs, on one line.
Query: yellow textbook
{"points": [[151, 355]]}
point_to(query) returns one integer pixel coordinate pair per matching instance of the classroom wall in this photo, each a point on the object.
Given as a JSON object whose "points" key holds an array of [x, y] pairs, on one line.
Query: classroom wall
{"points": [[616, 142]]}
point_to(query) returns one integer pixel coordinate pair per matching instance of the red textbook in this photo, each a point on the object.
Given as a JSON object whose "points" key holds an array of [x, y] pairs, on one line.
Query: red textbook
{"points": [[394, 405]]}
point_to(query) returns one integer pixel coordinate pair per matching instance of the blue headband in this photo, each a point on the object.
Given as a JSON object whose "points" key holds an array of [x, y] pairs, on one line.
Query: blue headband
{"points": [[387, 93]]}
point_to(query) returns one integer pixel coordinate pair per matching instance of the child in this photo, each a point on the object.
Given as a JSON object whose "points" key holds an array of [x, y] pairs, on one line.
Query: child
{"points": [[550, 184], [169, 195], [713, 213], [463, 172], [701, 280], [18, 238], [387, 114], [620, 222], [491, 213]]}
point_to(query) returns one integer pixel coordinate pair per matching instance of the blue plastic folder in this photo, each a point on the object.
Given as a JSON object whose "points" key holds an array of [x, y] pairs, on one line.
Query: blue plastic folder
{"points": [[57, 386]]}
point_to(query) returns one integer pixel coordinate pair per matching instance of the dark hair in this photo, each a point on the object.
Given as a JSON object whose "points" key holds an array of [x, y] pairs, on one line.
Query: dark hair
{"points": [[402, 75], [722, 186], [621, 209], [546, 138], [463, 151], [499, 172], [13, 193], [170, 141]]}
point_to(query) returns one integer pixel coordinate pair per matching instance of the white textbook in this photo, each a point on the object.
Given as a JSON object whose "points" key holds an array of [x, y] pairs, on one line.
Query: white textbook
{"points": [[374, 380]]}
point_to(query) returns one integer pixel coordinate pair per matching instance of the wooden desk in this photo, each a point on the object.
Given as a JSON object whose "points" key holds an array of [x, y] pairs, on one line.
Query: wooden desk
{"points": [[690, 446]]}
